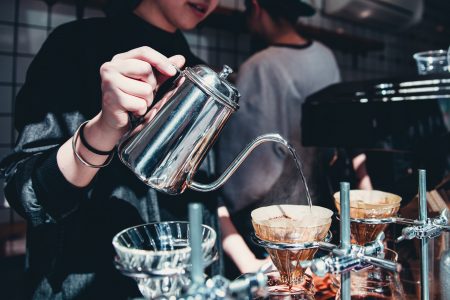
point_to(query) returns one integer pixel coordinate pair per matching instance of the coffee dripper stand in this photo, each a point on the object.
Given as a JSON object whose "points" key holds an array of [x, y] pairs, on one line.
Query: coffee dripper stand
{"points": [[423, 228], [248, 287], [344, 258]]}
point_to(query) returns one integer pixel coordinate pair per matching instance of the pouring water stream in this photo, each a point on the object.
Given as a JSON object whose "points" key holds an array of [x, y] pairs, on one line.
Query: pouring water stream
{"points": [[299, 165]]}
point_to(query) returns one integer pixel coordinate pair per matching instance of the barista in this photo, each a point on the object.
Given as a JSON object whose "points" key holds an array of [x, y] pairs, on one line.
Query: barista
{"points": [[273, 84], [83, 82]]}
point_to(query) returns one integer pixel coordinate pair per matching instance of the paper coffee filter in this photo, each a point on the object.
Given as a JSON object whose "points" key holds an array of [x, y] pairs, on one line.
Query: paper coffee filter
{"points": [[291, 216], [370, 199], [369, 205], [291, 224]]}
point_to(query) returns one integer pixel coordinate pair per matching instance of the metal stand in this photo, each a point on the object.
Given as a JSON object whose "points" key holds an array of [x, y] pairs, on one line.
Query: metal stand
{"points": [[217, 287], [424, 229], [347, 256]]}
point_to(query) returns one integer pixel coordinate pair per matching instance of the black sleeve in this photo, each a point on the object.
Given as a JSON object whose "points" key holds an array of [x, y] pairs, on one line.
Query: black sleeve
{"points": [[46, 115]]}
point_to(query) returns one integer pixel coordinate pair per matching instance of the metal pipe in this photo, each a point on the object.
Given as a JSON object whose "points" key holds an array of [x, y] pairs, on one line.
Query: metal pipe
{"points": [[345, 236], [195, 241], [425, 289]]}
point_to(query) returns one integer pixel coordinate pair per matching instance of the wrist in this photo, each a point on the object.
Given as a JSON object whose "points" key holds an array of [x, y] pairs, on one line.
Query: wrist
{"points": [[100, 135]]}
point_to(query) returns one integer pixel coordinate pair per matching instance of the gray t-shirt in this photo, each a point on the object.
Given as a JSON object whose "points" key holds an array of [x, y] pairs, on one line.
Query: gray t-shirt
{"points": [[273, 84]]}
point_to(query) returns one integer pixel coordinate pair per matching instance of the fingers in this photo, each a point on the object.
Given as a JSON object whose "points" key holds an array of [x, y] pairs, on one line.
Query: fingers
{"points": [[135, 105], [177, 60], [151, 56], [136, 88], [136, 69], [130, 80]]}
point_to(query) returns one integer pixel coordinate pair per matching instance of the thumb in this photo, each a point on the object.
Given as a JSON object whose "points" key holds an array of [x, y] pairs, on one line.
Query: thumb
{"points": [[177, 60]]}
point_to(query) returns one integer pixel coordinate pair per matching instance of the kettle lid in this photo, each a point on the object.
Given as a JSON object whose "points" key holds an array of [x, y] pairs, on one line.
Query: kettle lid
{"points": [[215, 84]]}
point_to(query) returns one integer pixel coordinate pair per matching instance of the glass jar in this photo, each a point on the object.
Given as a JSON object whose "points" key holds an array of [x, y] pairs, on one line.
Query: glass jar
{"points": [[432, 62], [376, 283]]}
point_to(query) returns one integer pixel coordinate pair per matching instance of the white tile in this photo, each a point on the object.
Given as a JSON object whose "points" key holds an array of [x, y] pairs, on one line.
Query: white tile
{"points": [[5, 130], [240, 5], [5, 99], [62, 13], [93, 13], [208, 37], [33, 12], [227, 3], [30, 40], [203, 40], [191, 38], [318, 4], [211, 57], [22, 66], [7, 10], [226, 58], [6, 38], [6, 68], [195, 50], [244, 43], [203, 54], [227, 40]]}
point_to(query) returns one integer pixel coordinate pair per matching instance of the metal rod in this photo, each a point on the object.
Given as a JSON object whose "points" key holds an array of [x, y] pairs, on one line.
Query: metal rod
{"points": [[195, 241], [345, 236], [425, 289]]}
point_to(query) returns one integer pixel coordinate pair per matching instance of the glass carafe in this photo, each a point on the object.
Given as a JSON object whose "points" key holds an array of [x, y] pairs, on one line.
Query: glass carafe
{"points": [[376, 283]]}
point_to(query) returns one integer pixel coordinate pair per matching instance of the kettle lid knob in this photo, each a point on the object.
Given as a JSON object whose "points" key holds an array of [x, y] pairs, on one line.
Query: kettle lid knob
{"points": [[226, 70]]}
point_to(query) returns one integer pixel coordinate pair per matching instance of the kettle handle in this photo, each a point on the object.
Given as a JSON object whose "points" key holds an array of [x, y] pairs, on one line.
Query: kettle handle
{"points": [[164, 88], [201, 187]]}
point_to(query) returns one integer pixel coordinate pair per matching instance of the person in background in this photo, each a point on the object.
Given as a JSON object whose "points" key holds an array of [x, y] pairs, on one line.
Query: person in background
{"points": [[84, 81], [273, 84]]}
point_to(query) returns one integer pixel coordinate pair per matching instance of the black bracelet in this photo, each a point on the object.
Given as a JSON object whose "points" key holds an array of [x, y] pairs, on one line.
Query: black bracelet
{"points": [[89, 147]]}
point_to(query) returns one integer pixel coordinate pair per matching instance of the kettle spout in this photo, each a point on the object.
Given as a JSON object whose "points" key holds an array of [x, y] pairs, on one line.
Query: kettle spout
{"points": [[271, 137]]}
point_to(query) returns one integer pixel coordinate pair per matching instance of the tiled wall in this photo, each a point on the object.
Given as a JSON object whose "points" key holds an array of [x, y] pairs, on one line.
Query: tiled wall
{"points": [[24, 25]]}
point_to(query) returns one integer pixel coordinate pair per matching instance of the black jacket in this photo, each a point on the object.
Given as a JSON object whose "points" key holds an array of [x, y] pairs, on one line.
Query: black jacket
{"points": [[70, 229]]}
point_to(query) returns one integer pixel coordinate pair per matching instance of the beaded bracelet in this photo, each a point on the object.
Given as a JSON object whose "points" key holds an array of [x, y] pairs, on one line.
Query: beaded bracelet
{"points": [[80, 158]]}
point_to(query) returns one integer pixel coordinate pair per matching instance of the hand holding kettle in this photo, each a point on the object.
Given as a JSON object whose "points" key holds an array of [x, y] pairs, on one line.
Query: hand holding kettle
{"points": [[129, 82]]}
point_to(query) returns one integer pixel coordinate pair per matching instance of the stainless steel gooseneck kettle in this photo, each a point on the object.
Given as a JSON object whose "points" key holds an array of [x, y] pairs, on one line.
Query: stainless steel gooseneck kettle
{"points": [[167, 152]]}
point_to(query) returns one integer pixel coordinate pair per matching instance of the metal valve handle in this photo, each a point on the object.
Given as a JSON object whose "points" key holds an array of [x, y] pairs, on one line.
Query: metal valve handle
{"points": [[382, 263], [429, 228]]}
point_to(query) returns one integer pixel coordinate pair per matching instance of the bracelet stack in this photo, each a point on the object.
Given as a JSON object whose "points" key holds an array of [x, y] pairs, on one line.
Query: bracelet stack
{"points": [[79, 133]]}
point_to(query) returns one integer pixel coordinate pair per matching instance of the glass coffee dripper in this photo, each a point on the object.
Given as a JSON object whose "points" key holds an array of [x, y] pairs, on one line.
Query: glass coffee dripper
{"points": [[369, 205], [158, 256], [290, 234]]}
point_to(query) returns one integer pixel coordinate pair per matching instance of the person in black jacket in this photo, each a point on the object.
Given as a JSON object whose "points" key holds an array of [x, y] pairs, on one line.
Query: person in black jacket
{"points": [[94, 71]]}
